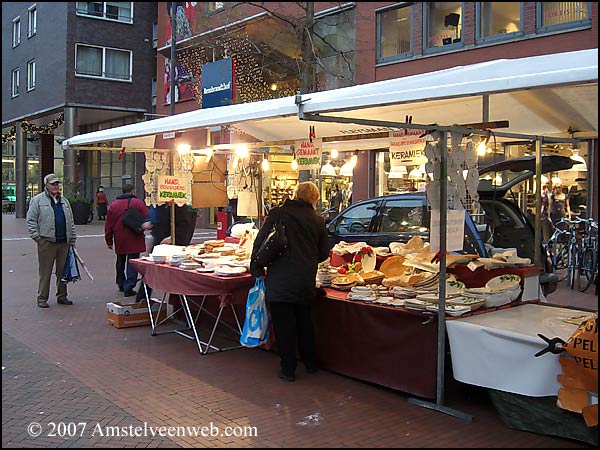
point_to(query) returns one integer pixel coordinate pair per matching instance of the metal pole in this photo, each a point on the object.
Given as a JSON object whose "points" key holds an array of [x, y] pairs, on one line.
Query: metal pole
{"points": [[441, 338], [538, 204], [173, 86], [442, 280]]}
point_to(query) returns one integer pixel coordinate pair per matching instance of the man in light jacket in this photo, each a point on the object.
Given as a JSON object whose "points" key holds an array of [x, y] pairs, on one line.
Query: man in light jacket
{"points": [[50, 224]]}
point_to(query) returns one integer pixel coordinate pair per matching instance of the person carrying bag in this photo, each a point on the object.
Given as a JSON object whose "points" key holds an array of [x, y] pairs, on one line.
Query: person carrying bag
{"points": [[289, 274]]}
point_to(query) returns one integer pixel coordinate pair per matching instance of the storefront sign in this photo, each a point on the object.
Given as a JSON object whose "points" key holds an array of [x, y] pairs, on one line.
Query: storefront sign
{"points": [[407, 148], [173, 188], [218, 83], [308, 154], [455, 230]]}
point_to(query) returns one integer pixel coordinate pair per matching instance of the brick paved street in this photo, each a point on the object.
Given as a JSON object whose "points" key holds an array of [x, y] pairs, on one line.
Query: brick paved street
{"points": [[66, 364]]}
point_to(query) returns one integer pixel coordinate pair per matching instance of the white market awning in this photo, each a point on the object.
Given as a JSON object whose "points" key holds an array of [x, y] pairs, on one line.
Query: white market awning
{"points": [[542, 95]]}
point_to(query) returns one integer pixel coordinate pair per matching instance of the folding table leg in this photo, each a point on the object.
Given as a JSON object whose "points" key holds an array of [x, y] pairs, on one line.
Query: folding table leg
{"points": [[190, 320], [212, 333], [237, 321], [150, 308]]}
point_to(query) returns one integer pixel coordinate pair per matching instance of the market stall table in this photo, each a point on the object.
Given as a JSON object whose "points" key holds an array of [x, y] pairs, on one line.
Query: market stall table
{"points": [[496, 350], [392, 347], [187, 284]]}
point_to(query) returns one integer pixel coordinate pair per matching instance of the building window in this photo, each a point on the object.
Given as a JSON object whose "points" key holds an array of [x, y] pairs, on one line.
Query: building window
{"points": [[31, 75], [443, 23], [393, 32], [16, 75], [334, 40], [16, 33], [553, 15], [103, 62], [498, 19], [119, 11], [32, 21]]}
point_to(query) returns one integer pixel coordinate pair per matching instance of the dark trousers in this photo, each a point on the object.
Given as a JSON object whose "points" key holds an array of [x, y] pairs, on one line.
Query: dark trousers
{"points": [[293, 327], [126, 274]]}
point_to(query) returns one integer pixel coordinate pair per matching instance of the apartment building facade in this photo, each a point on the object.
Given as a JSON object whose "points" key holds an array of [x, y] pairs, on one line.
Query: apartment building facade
{"points": [[357, 43], [70, 68]]}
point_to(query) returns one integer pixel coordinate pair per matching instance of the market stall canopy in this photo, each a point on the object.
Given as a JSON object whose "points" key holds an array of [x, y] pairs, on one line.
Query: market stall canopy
{"points": [[543, 95]]}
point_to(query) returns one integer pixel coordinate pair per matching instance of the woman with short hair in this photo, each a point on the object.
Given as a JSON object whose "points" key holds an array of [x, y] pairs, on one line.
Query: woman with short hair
{"points": [[290, 279]]}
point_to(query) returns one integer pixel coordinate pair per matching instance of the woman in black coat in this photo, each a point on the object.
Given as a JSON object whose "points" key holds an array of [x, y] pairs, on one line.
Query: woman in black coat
{"points": [[290, 279]]}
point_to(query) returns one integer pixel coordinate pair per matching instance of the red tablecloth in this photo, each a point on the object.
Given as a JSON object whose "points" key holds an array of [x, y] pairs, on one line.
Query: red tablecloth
{"points": [[388, 346], [166, 278]]}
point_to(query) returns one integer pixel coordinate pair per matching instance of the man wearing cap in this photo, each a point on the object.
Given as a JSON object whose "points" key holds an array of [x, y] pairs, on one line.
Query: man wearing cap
{"points": [[51, 226]]}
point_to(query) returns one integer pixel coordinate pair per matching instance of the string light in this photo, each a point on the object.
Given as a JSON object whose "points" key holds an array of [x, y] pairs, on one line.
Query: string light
{"points": [[250, 81], [34, 129]]}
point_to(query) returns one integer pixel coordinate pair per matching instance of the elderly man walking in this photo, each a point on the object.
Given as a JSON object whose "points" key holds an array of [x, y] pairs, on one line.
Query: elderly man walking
{"points": [[50, 224]]}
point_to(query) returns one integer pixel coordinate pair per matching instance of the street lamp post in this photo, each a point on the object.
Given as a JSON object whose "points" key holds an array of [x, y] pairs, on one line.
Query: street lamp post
{"points": [[173, 86]]}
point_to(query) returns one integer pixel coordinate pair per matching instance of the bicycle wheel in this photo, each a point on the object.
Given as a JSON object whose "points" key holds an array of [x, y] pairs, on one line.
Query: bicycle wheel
{"points": [[573, 266], [587, 270], [560, 259]]}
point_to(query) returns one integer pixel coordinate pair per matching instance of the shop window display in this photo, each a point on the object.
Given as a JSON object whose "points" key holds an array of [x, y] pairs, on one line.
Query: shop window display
{"points": [[444, 24]]}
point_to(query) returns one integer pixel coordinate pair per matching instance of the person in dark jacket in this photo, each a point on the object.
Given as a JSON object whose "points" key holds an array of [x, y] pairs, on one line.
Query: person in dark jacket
{"points": [[290, 279], [185, 224], [128, 244]]}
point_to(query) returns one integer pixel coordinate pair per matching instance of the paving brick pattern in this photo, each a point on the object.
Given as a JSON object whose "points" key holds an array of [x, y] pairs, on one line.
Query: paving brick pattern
{"points": [[74, 367], [36, 391]]}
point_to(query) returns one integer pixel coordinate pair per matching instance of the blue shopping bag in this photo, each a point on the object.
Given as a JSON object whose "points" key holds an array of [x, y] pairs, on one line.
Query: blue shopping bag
{"points": [[71, 270], [256, 325]]}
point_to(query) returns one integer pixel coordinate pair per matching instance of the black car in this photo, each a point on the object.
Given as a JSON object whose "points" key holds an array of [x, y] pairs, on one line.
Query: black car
{"points": [[396, 218]]}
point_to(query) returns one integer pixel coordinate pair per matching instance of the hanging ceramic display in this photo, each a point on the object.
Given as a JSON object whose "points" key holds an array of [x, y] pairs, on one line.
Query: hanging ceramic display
{"points": [[470, 154]]}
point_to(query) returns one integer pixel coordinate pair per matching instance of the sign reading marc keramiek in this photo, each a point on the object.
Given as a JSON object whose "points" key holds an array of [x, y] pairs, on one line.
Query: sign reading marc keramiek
{"points": [[218, 83]]}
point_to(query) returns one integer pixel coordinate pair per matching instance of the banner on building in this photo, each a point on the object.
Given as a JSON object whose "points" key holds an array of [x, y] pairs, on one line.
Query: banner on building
{"points": [[218, 83], [308, 154], [407, 148]]}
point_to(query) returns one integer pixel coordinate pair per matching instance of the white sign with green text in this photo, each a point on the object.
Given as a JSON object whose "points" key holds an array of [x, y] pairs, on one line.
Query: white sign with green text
{"points": [[176, 189], [308, 154]]}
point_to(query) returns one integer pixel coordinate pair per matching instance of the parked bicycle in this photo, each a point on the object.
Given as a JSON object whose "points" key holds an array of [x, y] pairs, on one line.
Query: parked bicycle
{"points": [[587, 272], [558, 248]]}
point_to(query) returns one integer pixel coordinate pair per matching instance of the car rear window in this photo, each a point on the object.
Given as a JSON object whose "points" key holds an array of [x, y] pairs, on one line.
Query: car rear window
{"points": [[356, 219], [404, 216]]}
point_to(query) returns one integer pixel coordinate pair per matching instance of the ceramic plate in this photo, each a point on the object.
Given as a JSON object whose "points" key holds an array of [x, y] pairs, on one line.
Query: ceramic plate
{"points": [[454, 287], [205, 269], [227, 271], [503, 283], [451, 310]]}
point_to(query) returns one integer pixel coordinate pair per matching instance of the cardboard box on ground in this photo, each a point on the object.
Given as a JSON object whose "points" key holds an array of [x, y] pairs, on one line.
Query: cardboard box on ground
{"points": [[124, 315]]}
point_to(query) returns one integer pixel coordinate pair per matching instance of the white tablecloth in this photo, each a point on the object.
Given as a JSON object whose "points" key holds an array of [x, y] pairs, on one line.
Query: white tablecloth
{"points": [[496, 349]]}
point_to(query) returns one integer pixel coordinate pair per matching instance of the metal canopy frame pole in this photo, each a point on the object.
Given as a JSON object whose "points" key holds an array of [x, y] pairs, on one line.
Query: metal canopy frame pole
{"points": [[173, 86], [433, 127], [441, 338]]}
